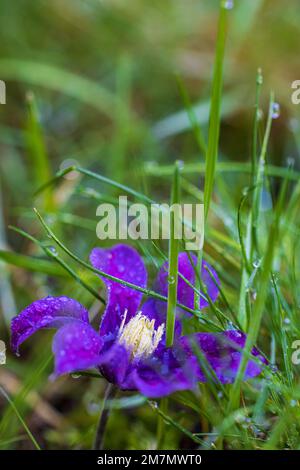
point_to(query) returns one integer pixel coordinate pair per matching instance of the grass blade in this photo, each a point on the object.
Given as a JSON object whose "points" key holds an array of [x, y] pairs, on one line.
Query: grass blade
{"points": [[215, 108], [33, 440], [175, 223]]}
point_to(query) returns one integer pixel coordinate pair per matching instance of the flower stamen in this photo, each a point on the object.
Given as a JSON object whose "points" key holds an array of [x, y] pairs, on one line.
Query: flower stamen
{"points": [[139, 335]]}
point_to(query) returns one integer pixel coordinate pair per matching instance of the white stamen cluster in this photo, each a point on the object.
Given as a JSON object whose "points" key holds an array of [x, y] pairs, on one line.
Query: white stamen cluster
{"points": [[139, 335]]}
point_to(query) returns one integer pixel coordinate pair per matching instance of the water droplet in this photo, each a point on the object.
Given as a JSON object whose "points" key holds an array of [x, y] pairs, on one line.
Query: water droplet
{"points": [[266, 202], [287, 321], [154, 404], [253, 295], [75, 376], [68, 163], [121, 268], [256, 263], [293, 403], [50, 219], [53, 250], [275, 110], [259, 114], [240, 418], [228, 4], [180, 164], [93, 408], [171, 279], [259, 78]]}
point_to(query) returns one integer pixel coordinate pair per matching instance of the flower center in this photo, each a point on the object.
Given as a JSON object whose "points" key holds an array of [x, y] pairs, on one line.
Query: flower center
{"points": [[139, 335]]}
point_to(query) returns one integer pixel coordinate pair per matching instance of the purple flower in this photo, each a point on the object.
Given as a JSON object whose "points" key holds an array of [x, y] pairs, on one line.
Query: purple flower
{"points": [[129, 349]]}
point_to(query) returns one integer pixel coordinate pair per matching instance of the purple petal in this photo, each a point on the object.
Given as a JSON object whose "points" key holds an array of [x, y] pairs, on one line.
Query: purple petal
{"points": [[114, 364], [221, 351], [125, 263], [76, 346], [156, 310], [168, 371], [185, 294], [50, 312]]}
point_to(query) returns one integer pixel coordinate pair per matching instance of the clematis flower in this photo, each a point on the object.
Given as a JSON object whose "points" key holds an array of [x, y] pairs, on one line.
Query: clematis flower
{"points": [[129, 349]]}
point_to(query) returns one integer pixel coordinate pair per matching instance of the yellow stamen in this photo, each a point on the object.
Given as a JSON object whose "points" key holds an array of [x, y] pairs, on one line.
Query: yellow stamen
{"points": [[139, 335]]}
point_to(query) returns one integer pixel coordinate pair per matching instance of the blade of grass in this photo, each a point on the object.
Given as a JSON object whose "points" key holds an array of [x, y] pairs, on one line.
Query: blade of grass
{"points": [[31, 264], [58, 79], [170, 421], [162, 171], [37, 151], [175, 223], [263, 282], [215, 108], [195, 126], [7, 301], [31, 437]]}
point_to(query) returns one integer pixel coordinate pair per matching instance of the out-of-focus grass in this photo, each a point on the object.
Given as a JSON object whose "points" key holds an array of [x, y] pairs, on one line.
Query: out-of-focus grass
{"points": [[104, 76]]}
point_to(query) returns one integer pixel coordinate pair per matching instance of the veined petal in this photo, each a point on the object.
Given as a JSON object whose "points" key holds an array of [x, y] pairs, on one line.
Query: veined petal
{"points": [[50, 312], [223, 355], [76, 346], [185, 293], [123, 262]]}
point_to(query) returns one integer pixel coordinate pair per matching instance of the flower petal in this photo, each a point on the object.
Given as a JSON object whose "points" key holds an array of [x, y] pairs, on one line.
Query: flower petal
{"points": [[156, 310], [50, 312], [114, 364], [185, 294], [123, 262], [223, 355], [168, 371], [76, 346]]}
